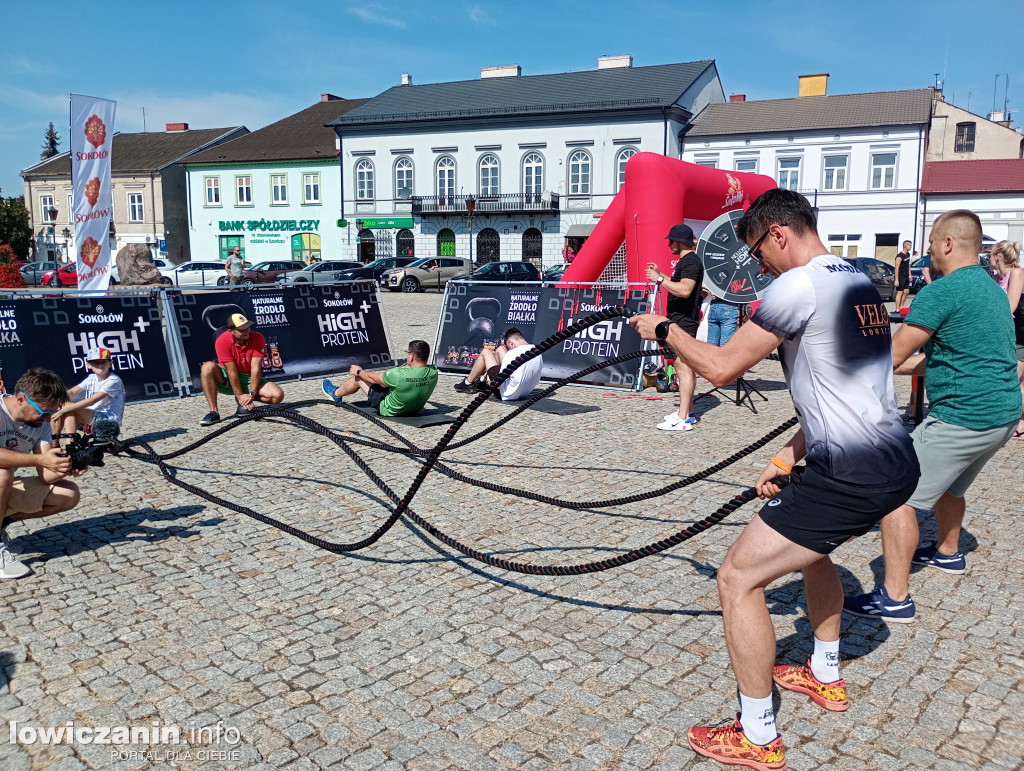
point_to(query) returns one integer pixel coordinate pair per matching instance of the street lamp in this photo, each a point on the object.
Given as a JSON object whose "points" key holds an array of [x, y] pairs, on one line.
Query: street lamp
{"points": [[67, 235], [470, 207], [52, 213]]}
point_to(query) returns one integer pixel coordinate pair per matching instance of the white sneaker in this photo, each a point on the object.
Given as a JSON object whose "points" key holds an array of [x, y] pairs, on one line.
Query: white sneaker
{"points": [[10, 567], [675, 423], [5, 538], [691, 418]]}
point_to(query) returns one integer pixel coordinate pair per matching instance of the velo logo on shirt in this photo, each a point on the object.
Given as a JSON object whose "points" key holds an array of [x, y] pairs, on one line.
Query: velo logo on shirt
{"points": [[874, 319]]}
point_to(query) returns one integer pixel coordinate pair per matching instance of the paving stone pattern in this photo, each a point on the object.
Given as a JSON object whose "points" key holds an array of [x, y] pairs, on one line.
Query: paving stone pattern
{"points": [[150, 604]]}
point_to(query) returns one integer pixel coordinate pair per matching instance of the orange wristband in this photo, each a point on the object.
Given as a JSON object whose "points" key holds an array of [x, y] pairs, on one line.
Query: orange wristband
{"points": [[779, 464]]}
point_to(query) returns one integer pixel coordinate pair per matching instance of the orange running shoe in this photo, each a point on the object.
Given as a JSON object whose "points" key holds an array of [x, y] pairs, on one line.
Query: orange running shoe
{"points": [[727, 744], [831, 696]]}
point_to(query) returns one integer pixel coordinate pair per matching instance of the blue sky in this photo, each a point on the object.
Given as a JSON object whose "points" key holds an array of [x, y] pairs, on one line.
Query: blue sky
{"points": [[224, 63]]}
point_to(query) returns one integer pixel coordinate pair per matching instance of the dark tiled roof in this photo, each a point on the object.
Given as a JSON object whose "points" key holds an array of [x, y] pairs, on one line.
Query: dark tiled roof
{"points": [[143, 152], [615, 88], [989, 176], [301, 136], [808, 113]]}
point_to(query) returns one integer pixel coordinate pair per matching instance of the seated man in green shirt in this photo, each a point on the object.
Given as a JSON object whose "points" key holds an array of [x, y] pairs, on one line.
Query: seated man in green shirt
{"points": [[395, 392]]}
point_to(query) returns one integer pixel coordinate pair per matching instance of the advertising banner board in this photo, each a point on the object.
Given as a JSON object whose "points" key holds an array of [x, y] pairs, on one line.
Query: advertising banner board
{"points": [[477, 314], [57, 333], [92, 136], [310, 330]]}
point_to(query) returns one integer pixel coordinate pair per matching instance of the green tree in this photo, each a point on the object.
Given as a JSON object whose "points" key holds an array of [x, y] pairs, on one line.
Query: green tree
{"points": [[14, 225], [50, 143]]}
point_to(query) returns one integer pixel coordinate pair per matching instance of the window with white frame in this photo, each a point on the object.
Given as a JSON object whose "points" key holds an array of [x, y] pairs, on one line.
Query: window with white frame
{"points": [[883, 171], [747, 164], [243, 191], [579, 173], [533, 176], [789, 173], [833, 172], [489, 170], [212, 191], [709, 163], [45, 205], [135, 212], [71, 206], [311, 188], [446, 176], [364, 180], [279, 184], [620, 165], [403, 178]]}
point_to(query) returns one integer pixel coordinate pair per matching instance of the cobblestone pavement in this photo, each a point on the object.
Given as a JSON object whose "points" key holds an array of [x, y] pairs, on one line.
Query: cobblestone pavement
{"points": [[148, 604]]}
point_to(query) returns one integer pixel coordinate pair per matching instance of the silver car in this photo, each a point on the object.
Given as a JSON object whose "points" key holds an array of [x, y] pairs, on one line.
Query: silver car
{"points": [[326, 272], [427, 273], [33, 271]]}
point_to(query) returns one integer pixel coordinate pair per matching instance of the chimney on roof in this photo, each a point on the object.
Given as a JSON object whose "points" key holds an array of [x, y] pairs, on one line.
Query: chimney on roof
{"points": [[502, 71], [329, 98], [737, 97], [611, 62], [814, 85], [177, 127], [406, 79]]}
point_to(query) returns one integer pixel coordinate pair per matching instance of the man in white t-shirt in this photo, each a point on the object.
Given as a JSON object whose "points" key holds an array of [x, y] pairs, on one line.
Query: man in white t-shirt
{"points": [[493, 361], [25, 442], [832, 331]]}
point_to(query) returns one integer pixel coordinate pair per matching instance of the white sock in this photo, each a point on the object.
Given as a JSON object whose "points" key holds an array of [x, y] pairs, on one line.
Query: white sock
{"points": [[758, 719], [825, 661]]}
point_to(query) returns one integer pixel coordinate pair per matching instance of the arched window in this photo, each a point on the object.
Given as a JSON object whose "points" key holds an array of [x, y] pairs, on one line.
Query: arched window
{"points": [[367, 246], [446, 243], [533, 246], [620, 165], [533, 177], [364, 180], [403, 178], [306, 247], [489, 169], [579, 173], [446, 180], [488, 246], [406, 243]]}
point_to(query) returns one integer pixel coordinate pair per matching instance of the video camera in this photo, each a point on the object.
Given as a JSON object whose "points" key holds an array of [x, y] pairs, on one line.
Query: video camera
{"points": [[88, 450]]}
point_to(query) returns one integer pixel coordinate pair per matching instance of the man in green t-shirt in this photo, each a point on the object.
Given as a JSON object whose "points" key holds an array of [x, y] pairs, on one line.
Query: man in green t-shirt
{"points": [[970, 370], [397, 391]]}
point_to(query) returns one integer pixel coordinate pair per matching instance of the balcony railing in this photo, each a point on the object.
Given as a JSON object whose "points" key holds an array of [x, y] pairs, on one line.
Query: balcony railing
{"points": [[485, 204]]}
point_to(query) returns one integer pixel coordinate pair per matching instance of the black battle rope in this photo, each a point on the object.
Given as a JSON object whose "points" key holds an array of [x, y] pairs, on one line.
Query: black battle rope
{"points": [[430, 460]]}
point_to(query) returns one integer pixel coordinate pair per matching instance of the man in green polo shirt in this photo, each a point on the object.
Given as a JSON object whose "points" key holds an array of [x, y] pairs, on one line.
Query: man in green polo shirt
{"points": [[395, 392], [970, 367]]}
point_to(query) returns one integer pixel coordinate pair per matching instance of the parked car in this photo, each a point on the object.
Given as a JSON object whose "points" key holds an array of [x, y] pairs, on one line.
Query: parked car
{"points": [[504, 271], [916, 272], [33, 272], [326, 272], [882, 275], [65, 275], [266, 272], [432, 272], [374, 270], [115, 278], [193, 273], [555, 272]]}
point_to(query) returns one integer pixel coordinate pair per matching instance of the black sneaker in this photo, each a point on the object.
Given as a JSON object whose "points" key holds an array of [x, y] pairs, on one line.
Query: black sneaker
{"points": [[242, 412], [465, 388], [211, 417]]}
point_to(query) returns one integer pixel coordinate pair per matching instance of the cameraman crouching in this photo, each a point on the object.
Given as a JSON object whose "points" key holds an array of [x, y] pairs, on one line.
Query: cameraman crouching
{"points": [[25, 442]]}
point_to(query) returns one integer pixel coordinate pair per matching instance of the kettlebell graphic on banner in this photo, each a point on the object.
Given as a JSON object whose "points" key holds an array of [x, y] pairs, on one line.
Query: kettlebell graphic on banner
{"points": [[482, 312]]}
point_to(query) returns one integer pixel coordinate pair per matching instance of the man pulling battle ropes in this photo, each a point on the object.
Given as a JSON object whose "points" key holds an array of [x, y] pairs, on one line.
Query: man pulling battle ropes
{"points": [[832, 332]]}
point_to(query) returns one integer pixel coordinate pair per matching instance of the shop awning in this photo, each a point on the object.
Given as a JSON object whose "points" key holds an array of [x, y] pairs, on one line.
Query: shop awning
{"points": [[580, 231]]}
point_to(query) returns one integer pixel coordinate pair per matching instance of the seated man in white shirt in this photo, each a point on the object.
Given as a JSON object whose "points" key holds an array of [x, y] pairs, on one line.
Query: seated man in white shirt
{"points": [[492, 361]]}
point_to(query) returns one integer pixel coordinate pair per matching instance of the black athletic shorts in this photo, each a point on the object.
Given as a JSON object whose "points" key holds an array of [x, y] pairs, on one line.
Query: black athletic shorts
{"points": [[376, 395], [821, 513]]}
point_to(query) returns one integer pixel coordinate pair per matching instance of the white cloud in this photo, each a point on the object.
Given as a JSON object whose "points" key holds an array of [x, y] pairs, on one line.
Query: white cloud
{"points": [[377, 14], [478, 15]]}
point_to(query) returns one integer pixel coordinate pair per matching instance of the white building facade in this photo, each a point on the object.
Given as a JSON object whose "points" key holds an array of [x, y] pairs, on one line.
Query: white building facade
{"points": [[506, 167], [857, 158]]}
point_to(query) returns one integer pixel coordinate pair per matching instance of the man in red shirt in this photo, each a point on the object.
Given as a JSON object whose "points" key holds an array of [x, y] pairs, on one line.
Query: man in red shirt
{"points": [[240, 354]]}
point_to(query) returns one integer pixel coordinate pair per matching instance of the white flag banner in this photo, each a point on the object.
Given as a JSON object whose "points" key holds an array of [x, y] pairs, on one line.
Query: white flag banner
{"points": [[92, 136]]}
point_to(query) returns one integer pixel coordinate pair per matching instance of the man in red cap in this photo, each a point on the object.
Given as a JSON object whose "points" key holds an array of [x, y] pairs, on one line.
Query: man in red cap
{"points": [[240, 353]]}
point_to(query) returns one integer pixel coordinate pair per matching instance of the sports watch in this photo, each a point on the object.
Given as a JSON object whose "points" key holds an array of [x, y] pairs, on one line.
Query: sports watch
{"points": [[661, 331]]}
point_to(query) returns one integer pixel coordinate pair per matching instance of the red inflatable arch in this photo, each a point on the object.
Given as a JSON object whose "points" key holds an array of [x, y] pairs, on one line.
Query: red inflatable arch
{"points": [[660, 192]]}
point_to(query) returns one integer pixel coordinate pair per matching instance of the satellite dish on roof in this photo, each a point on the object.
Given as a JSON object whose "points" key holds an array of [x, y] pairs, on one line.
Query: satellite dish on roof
{"points": [[730, 273]]}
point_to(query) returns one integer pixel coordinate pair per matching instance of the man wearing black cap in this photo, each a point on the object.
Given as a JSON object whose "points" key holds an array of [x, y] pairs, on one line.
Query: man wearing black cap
{"points": [[682, 309]]}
